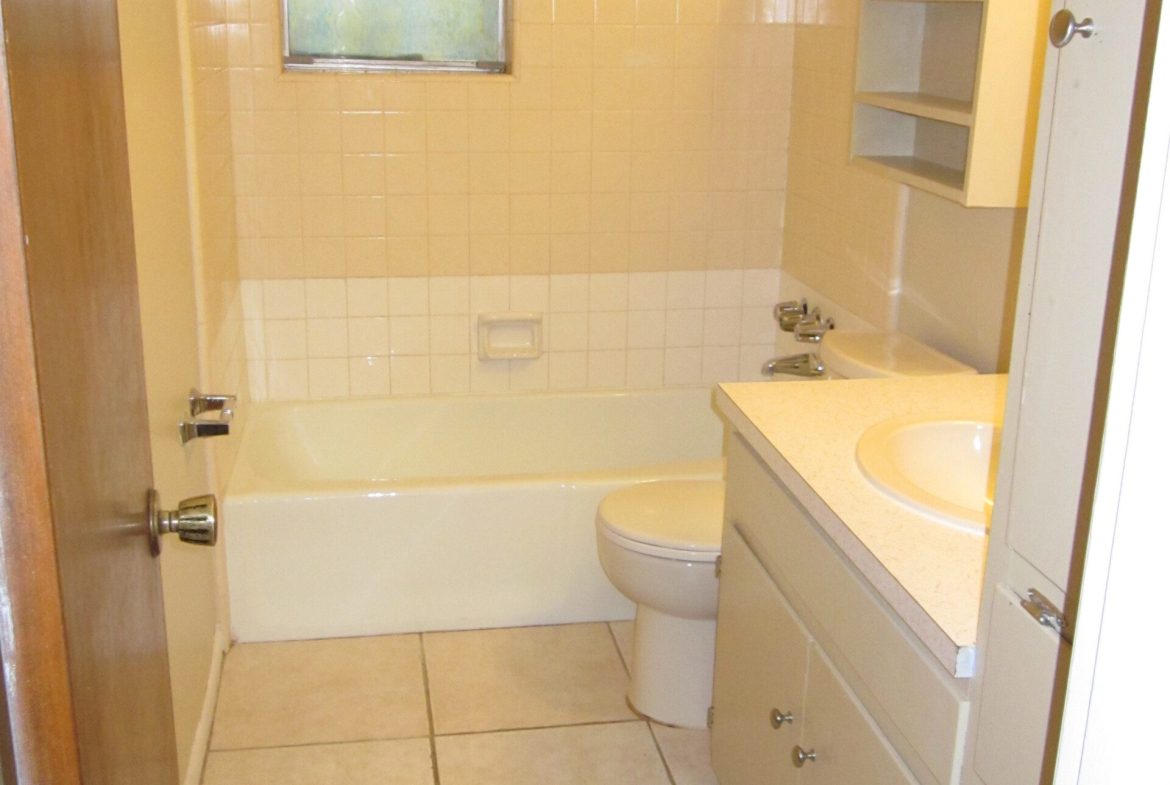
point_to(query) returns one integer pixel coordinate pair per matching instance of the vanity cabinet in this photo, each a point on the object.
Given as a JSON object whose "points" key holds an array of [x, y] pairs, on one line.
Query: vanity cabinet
{"points": [[801, 633], [793, 701], [946, 93]]}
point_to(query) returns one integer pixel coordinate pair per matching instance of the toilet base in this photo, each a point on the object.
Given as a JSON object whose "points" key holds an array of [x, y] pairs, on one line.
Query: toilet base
{"points": [[673, 668]]}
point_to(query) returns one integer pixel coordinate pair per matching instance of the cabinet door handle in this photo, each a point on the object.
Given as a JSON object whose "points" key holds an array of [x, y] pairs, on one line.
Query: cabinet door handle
{"points": [[799, 756], [1065, 26], [778, 717]]}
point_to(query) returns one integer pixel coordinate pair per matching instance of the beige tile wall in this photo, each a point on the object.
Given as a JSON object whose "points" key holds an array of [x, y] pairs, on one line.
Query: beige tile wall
{"points": [[634, 135], [843, 225], [403, 335], [212, 171]]}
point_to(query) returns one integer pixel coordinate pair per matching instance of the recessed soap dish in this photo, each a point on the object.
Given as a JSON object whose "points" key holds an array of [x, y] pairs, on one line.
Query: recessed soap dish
{"points": [[510, 336]]}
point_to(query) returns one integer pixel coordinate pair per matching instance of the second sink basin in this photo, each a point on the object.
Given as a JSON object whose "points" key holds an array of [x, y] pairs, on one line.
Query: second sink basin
{"points": [[944, 469]]}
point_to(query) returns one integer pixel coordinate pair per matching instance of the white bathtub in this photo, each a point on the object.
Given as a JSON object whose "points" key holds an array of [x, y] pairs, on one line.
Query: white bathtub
{"points": [[399, 515]]}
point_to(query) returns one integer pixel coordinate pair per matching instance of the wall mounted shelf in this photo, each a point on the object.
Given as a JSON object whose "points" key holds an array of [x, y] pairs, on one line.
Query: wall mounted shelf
{"points": [[946, 94]]}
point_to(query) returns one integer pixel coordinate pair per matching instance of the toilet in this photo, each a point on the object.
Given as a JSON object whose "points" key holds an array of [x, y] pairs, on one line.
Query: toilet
{"points": [[658, 542]]}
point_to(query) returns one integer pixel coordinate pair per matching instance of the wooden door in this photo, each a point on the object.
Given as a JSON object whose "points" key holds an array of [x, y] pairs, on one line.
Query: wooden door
{"points": [[80, 585]]}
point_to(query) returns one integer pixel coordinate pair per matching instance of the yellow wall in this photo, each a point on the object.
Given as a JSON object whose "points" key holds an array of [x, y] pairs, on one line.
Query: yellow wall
{"points": [[154, 115], [896, 257], [633, 136], [842, 228], [960, 271], [211, 166]]}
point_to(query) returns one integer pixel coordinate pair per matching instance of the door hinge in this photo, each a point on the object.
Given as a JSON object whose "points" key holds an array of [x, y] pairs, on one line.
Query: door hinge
{"points": [[1042, 610], [719, 565], [710, 716]]}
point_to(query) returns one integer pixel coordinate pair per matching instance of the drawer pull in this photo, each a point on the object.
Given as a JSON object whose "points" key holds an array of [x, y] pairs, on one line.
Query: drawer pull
{"points": [[778, 717], [799, 757]]}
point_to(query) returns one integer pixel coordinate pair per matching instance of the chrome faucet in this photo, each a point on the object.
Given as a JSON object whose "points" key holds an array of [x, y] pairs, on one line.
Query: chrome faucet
{"points": [[790, 313], [807, 365], [198, 429], [812, 328], [197, 404]]}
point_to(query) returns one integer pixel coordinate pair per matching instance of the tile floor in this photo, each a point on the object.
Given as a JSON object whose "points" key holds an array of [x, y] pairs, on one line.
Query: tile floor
{"points": [[486, 707]]}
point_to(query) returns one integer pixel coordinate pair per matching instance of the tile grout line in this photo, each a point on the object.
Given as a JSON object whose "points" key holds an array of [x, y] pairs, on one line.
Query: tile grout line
{"points": [[613, 637], [649, 725], [522, 728], [585, 724], [338, 743], [422, 649], [661, 754]]}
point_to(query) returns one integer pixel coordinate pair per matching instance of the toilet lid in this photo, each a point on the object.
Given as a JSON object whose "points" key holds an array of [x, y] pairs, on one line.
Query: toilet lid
{"points": [[858, 355], [680, 515]]}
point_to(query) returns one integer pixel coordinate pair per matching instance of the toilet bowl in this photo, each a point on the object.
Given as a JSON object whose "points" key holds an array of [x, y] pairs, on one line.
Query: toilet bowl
{"points": [[657, 543]]}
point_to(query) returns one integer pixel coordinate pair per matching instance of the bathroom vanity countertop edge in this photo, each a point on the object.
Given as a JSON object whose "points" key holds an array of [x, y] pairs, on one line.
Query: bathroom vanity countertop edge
{"points": [[806, 432]]}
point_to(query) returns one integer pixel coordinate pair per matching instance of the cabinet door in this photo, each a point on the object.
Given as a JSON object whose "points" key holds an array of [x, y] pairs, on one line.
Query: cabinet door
{"points": [[1013, 747], [761, 652], [849, 747]]}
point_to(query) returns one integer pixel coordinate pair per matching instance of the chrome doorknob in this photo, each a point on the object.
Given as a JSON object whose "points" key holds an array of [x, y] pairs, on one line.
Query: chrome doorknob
{"points": [[1064, 26], [778, 717], [800, 756], [194, 520]]}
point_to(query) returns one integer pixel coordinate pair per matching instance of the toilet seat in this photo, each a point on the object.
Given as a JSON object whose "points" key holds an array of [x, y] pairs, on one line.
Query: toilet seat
{"points": [[671, 519]]}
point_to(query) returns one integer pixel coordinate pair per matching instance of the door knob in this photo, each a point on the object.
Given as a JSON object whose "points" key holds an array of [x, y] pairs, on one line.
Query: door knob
{"points": [[800, 757], [194, 520], [1064, 26]]}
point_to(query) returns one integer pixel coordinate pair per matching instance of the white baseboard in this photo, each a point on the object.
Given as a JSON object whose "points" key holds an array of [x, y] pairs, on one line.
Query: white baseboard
{"points": [[194, 771]]}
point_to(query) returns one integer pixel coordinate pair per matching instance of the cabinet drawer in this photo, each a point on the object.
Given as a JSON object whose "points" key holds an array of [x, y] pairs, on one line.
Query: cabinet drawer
{"points": [[921, 709]]}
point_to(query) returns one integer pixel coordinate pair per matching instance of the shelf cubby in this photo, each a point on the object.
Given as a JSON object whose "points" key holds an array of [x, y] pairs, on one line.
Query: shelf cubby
{"points": [[945, 95]]}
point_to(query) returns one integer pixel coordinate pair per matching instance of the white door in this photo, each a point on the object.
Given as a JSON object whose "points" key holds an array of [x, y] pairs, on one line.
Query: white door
{"points": [[1113, 728], [1080, 162], [1042, 508]]}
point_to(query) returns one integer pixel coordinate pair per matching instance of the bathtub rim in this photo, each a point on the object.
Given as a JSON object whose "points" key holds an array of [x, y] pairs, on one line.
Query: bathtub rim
{"points": [[245, 482]]}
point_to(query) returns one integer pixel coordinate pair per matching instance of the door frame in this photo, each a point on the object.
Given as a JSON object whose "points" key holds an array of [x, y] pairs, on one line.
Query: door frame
{"points": [[41, 743]]}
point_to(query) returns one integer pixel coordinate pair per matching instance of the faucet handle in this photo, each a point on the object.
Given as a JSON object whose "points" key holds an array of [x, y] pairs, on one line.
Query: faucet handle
{"points": [[812, 328], [789, 313], [201, 429], [198, 403]]}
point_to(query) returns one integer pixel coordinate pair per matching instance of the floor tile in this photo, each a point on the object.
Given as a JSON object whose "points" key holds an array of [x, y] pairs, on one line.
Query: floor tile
{"points": [[306, 692], [623, 633], [398, 762], [687, 753], [529, 677], [610, 754]]}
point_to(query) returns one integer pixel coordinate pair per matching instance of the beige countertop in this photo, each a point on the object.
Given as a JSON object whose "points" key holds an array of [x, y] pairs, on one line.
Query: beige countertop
{"points": [[806, 432]]}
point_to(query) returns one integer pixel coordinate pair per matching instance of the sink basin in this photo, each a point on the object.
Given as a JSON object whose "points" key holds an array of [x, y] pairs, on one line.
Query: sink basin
{"points": [[944, 469]]}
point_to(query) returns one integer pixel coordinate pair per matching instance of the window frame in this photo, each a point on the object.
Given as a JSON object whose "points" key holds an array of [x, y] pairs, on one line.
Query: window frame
{"points": [[311, 63]]}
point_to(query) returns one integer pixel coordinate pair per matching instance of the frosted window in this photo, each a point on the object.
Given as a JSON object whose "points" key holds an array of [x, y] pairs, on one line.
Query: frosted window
{"points": [[395, 34]]}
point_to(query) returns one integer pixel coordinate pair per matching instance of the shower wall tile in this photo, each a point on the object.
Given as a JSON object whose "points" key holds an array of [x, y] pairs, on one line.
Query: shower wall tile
{"points": [[418, 335], [628, 138], [842, 225]]}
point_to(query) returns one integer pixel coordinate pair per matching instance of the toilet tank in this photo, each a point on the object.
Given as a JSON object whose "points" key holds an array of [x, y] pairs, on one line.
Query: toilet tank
{"points": [[854, 354]]}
